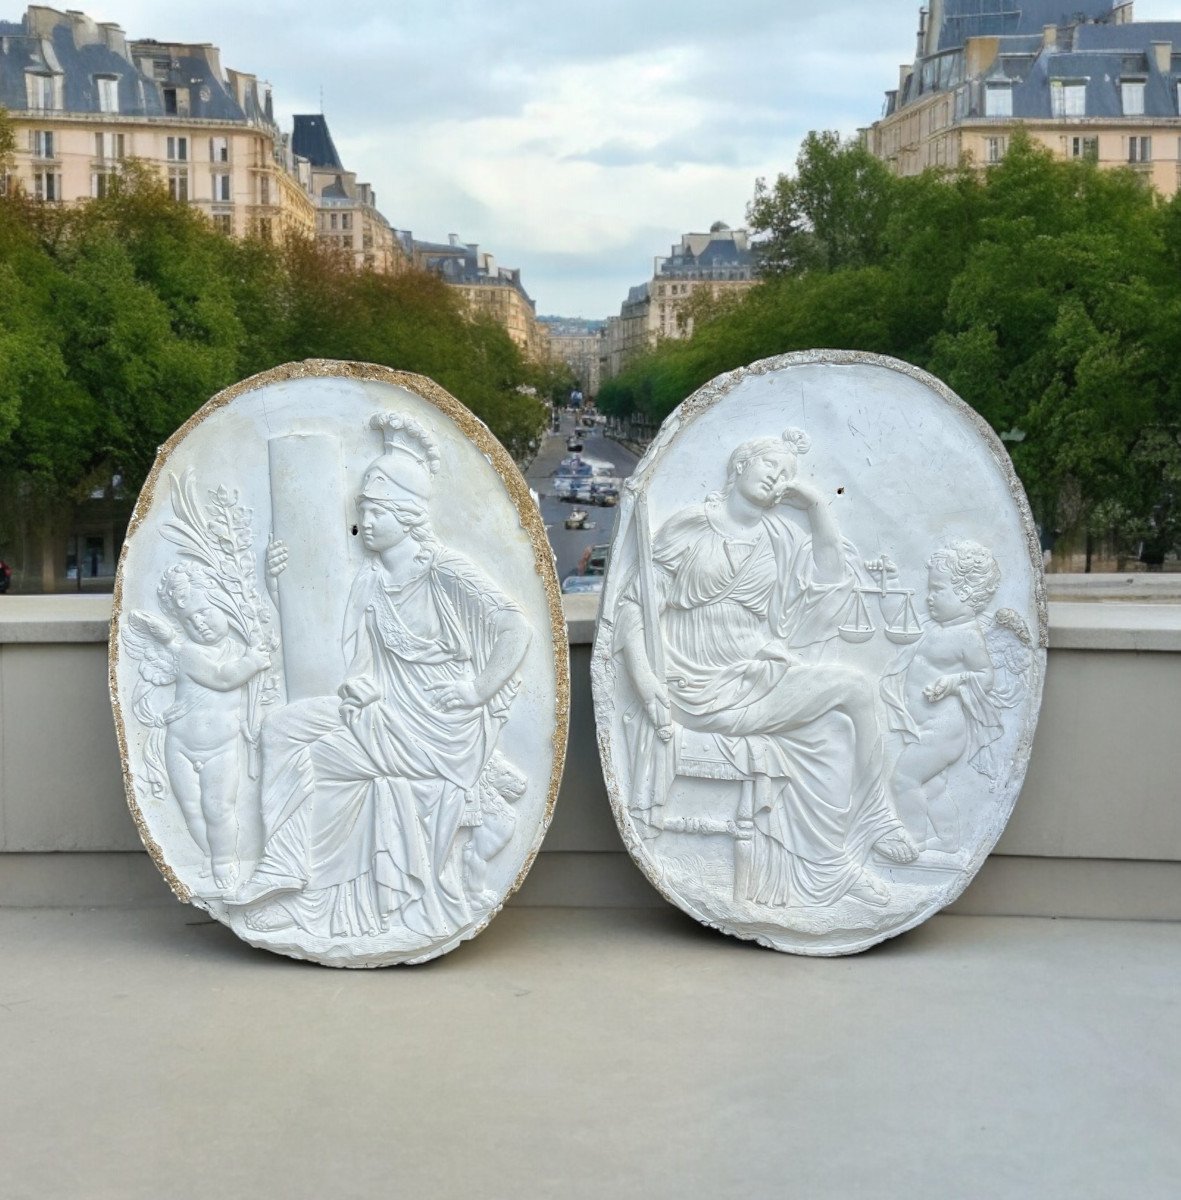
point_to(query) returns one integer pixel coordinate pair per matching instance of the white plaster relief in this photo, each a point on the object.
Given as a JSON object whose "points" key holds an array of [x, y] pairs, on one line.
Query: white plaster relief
{"points": [[805, 743], [341, 739]]}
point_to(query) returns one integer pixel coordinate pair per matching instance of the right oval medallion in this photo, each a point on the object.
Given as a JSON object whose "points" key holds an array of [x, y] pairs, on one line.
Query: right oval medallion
{"points": [[820, 655]]}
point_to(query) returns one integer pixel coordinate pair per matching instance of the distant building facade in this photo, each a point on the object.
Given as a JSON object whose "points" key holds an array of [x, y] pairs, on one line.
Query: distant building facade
{"points": [[713, 264], [578, 344], [83, 99], [487, 288], [347, 217], [1080, 76]]}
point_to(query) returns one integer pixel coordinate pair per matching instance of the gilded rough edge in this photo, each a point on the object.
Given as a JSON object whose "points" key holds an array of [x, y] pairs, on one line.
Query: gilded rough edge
{"points": [[543, 560], [602, 663]]}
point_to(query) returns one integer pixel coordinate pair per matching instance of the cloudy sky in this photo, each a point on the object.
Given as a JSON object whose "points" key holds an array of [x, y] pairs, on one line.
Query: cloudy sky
{"points": [[575, 141]]}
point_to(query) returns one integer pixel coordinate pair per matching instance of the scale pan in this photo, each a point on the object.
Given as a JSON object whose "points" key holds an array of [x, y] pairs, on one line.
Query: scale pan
{"points": [[851, 633], [903, 637]]}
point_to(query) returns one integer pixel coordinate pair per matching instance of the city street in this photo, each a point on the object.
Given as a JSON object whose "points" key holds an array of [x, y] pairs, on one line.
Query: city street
{"points": [[569, 544]]}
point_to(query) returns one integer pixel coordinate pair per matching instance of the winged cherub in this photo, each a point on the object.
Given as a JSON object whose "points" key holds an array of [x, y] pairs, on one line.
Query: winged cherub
{"points": [[195, 652]]}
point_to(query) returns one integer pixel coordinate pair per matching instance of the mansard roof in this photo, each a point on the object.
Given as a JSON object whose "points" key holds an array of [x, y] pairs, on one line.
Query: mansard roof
{"points": [[81, 51], [1085, 49], [311, 139], [962, 19]]}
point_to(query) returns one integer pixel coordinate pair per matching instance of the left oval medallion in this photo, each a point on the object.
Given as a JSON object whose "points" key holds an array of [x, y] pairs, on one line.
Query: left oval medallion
{"points": [[339, 666]]}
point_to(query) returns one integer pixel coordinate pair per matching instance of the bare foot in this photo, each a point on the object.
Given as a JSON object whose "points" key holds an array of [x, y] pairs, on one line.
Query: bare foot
{"points": [[867, 888], [224, 874], [268, 919], [897, 847]]}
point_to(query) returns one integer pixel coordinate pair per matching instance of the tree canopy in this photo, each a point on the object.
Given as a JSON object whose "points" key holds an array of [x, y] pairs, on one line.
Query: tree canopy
{"points": [[1047, 293], [120, 317]]}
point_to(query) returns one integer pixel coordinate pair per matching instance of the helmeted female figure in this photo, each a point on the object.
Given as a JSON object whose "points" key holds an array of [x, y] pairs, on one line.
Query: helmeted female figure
{"points": [[363, 793]]}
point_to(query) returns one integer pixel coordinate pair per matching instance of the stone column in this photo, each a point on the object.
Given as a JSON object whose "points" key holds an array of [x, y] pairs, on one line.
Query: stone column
{"points": [[310, 513]]}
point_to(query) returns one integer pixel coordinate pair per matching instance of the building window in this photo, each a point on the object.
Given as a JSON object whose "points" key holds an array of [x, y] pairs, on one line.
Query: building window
{"points": [[170, 104], [998, 100], [178, 149], [219, 149], [332, 221], [47, 185], [346, 220], [264, 230], [101, 183], [224, 223], [43, 91], [1068, 99], [264, 189], [41, 143], [160, 67], [221, 187], [108, 146], [108, 93], [1139, 149], [178, 184], [1132, 95], [1085, 147]]}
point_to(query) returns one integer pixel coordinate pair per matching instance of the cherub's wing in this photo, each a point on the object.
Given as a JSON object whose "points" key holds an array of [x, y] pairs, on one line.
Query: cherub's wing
{"points": [[1010, 647], [151, 641]]}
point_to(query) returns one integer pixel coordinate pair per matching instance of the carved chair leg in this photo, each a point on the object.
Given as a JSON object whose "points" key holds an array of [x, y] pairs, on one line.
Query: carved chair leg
{"points": [[744, 840]]}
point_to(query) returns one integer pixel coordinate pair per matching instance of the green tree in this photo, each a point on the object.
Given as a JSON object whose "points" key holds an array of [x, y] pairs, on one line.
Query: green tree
{"points": [[831, 213], [1047, 293], [119, 318]]}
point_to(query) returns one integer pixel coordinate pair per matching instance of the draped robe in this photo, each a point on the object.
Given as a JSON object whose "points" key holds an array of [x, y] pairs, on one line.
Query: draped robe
{"points": [[361, 806], [745, 621]]}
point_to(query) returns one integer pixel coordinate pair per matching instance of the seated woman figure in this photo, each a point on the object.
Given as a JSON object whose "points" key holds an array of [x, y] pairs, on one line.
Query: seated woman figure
{"points": [[363, 793], [747, 603]]}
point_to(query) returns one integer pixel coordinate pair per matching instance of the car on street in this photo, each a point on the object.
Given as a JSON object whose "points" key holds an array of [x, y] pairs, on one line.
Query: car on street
{"points": [[604, 495], [576, 519], [582, 584], [574, 443]]}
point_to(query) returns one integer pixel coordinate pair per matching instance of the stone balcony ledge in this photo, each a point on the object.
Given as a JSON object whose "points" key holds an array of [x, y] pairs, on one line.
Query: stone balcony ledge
{"points": [[1133, 612], [593, 1041]]}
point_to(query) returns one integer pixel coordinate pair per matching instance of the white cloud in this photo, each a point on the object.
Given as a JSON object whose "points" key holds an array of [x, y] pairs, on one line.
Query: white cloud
{"points": [[574, 140]]}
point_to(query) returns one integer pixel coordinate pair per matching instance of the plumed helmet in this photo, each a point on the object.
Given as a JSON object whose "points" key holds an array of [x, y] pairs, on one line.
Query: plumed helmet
{"points": [[408, 460]]}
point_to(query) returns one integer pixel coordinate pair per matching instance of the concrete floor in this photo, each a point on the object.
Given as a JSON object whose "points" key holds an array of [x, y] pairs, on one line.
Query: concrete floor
{"points": [[590, 1053]]}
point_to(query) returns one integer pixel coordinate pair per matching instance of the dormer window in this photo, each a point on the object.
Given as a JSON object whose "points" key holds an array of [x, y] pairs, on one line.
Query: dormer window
{"points": [[998, 100], [43, 91], [107, 87], [1132, 97], [1068, 98]]}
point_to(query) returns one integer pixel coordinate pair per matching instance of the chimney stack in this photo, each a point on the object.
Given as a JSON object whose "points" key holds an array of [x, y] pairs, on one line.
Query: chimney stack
{"points": [[1162, 52], [1049, 37]]}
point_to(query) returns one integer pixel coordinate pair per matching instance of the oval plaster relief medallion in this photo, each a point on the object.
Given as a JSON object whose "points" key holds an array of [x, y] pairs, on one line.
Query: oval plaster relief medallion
{"points": [[339, 666], [820, 656]]}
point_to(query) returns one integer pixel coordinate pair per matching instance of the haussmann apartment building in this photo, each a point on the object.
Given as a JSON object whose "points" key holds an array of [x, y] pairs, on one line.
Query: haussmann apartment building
{"points": [[1081, 77]]}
